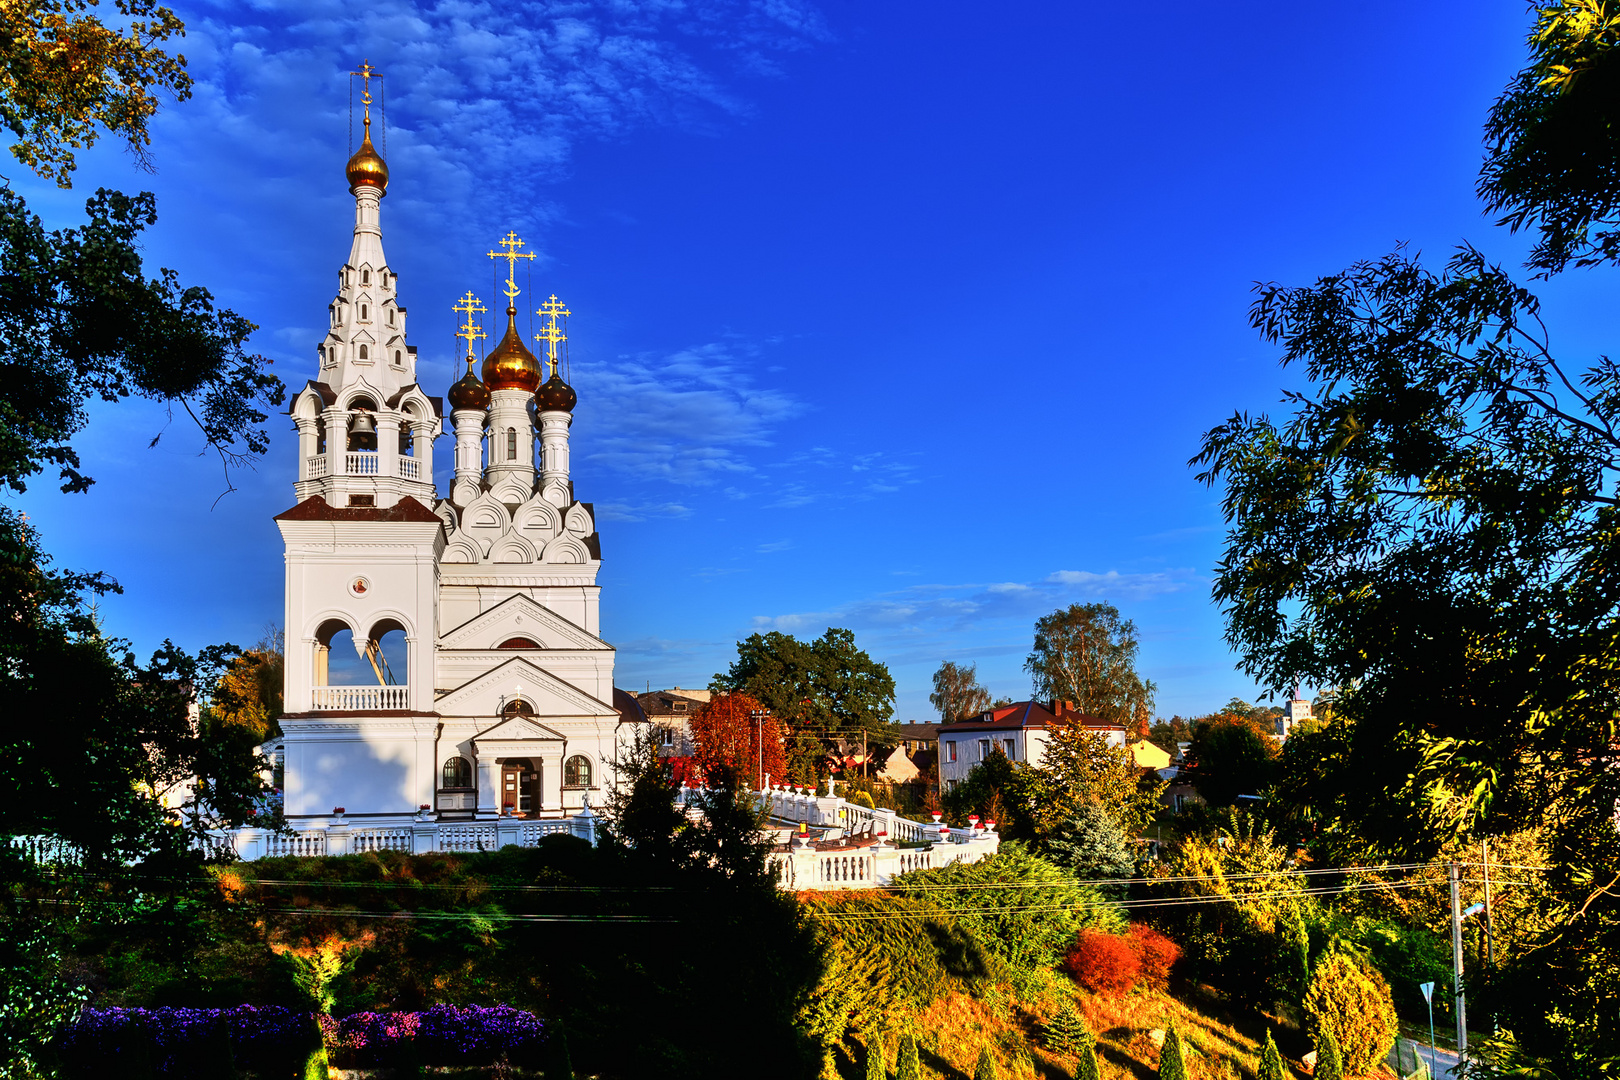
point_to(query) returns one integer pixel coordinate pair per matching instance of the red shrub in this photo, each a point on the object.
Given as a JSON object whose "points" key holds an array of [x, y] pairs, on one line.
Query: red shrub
{"points": [[1155, 953], [1103, 963]]}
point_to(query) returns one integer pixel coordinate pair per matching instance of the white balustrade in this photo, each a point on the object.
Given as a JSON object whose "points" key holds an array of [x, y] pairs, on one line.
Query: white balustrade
{"points": [[315, 467], [362, 698], [410, 468], [532, 831], [308, 842], [380, 840], [361, 462], [467, 838]]}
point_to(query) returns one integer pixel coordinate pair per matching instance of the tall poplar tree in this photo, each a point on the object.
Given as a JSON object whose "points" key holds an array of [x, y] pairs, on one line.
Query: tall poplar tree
{"points": [[1086, 653]]}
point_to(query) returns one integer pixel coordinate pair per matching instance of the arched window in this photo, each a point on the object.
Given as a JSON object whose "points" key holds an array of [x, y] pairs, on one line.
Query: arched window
{"points": [[511, 444], [397, 359], [365, 277], [517, 707], [390, 316], [363, 355], [517, 643], [577, 771], [364, 313], [457, 772]]}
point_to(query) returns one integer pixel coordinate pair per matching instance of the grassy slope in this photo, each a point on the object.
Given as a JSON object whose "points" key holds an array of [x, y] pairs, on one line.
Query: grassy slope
{"points": [[1224, 1046]]}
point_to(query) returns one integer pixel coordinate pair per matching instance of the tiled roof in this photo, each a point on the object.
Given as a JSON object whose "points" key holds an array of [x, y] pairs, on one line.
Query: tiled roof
{"points": [[316, 508], [1027, 715]]}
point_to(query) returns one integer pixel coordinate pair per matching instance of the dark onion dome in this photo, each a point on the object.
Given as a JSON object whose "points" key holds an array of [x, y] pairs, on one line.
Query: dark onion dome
{"points": [[555, 396], [469, 392], [367, 168], [510, 365]]}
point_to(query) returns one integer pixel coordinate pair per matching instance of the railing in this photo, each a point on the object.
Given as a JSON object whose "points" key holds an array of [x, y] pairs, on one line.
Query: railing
{"points": [[47, 850], [315, 467], [843, 869], [410, 468], [362, 698], [298, 843], [532, 831], [380, 840], [467, 838], [361, 463]]}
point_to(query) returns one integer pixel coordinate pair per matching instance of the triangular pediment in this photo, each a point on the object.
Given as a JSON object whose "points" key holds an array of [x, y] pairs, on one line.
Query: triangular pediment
{"points": [[520, 615], [515, 728], [546, 694]]}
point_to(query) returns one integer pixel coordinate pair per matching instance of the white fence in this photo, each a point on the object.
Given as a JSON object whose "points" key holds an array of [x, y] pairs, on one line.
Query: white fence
{"points": [[412, 835], [362, 698]]}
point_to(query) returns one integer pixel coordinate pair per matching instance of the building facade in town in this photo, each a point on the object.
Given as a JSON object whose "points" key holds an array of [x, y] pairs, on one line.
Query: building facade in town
{"points": [[1020, 731], [478, 613]]}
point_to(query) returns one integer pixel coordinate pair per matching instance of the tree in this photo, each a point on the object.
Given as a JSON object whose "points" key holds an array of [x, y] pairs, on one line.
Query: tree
{"points": [[874, 1057], [1552, 141], [1329, 1065], [1352, 1001], [1081, 767], [65, 76], [819, 690], [1066, 1034], [1012, 794], [1171, 1064], [735, 732], [986, 1067], [248, 694], [1271, 1062], [1231, 756], [1092, 845], [1086, 654], [907, 1066], [957, 693], [1168, 735]]}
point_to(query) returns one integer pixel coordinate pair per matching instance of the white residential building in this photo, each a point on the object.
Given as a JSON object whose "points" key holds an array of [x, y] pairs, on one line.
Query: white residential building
{"points": [[1020, 731]]}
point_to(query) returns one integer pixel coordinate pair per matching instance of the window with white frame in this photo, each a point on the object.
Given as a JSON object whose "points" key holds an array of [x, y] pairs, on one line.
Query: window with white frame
{"points": [[950, 751], [984, 749]]}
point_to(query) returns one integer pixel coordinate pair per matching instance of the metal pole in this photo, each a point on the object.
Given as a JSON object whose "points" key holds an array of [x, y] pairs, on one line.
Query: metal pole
{"points": [[1490, 927], [1457, 961], [1434, 1063]]}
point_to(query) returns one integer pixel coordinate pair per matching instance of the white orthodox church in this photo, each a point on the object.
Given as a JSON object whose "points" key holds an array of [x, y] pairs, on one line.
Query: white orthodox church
{"points": [[504, 705]]}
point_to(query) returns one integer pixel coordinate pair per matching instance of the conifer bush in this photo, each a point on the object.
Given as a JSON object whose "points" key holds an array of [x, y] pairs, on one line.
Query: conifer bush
{"points": [[875, 1069], [1271, 1062], [1085, 1064], [1103, 963], [1066, 1032], [1172, 1066], [986, 1068], [908, 1066], [1329, 1066], [1352, 1000]]}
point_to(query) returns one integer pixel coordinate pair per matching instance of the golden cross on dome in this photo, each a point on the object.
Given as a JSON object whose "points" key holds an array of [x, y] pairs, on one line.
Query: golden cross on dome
{"points": [[366, 73], [471, 329], [550, 331], [511, 244]]}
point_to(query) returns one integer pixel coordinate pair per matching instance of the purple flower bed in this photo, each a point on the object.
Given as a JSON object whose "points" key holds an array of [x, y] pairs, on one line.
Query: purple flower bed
{"points": [[198, 1042], [185, 1042]]}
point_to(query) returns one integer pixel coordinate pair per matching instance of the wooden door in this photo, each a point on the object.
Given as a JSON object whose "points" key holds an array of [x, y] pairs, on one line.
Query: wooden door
{"points": [[511, 783]]}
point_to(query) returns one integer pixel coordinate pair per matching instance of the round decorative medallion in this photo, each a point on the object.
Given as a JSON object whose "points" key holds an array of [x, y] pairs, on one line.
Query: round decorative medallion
{"points": [[360, 586]]}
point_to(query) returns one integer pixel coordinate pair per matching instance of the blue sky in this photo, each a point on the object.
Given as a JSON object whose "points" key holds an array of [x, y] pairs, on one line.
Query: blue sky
{"points": [[902, 317]]}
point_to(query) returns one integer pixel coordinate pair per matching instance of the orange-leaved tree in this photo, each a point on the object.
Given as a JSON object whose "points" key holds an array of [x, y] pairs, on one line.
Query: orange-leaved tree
{"points": [[735, 732]]}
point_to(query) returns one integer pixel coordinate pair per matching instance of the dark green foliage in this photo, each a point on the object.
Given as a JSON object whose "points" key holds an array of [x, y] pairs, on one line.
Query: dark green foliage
{"points": [[1085, 1060], [1230, 756], [1066, 1033], [986, 1067], [1171, 1064], [1552, 161], [907, 1064], [1329, 1065], [1026, 927], [79, 320], [1092, 845], [1271, 1062], [821, 689]]}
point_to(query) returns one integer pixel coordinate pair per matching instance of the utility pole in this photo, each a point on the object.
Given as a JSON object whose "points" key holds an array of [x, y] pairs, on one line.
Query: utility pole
{"points": [[1490, 927], [1457, 960]]}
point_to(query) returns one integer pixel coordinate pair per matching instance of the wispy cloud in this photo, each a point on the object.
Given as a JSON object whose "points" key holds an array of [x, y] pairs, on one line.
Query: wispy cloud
{"points": [[940, 607], [774, 545], [621, 511], [684, 418]]}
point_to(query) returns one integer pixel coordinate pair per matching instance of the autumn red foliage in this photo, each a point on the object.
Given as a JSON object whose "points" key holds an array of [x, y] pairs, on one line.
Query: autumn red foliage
{"points": [[726, 737], [1103, 963], [1155, 953]]}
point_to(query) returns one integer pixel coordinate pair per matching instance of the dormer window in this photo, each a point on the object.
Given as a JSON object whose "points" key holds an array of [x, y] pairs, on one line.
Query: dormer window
{"points": [[680, 706], [397, 359], [390, 316], [363, 355], [364, 314], [365, 277]]}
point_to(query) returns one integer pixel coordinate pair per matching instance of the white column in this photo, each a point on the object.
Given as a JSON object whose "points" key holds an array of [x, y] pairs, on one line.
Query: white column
{"points": [[387, 453], [422, 448], [337, 439], [554, 447], [469, 458], [308, 439], [489, 786]]}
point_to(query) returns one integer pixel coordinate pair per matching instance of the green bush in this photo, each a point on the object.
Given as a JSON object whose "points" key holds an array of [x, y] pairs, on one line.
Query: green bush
{"points": [[1352, 1001], [1329, 1065], [1027, 927], [875, 1069], [907, 1064], [861, 798], [1271, 1062], [1066, 1033], [986, 1068], [1172, 1066]]}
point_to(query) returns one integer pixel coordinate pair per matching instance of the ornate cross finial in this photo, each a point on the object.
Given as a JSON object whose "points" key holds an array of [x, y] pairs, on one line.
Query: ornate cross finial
{"points": [[366, 74], [551, 332], [511, 243], [471, 329]]}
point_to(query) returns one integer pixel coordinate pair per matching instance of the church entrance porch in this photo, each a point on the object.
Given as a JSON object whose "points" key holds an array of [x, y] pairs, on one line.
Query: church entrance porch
{"points": [[521, 791]]}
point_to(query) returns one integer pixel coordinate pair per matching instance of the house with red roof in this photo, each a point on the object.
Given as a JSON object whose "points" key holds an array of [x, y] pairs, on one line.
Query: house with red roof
{"points": [[1020, 731]]}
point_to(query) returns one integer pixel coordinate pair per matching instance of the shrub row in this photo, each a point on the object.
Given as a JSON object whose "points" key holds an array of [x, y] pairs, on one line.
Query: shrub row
{"points": [[201, 1042]]}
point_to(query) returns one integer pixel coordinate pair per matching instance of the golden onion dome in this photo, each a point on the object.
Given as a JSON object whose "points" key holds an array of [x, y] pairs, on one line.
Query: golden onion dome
{"points": [[367, 168], [555, 396], [510, 365], [468, 392]]}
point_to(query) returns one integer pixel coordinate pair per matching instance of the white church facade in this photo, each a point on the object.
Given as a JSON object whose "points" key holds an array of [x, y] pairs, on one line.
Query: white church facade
{"points": [[503, 706]]}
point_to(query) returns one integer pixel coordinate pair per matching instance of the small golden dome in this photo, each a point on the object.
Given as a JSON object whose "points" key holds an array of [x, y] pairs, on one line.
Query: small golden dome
{"points": [[510, 365], [367, 168], [556, 396], [468, 392]]}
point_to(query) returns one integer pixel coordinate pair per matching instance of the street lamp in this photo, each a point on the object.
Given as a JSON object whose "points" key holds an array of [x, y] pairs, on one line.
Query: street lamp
{"points": [[1428, 998]]}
